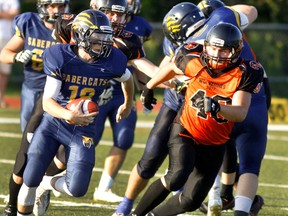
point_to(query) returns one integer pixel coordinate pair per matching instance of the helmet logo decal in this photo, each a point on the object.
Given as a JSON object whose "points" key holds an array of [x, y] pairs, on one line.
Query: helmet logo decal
{"points": [[84, 19], [217, 42], [172, 25], [118, 8]]}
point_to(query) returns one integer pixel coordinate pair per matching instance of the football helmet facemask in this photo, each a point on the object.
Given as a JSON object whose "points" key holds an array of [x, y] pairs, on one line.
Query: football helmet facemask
{"points": [[42, 9], [182, 21], [118, 6], [91, 31], [228, 41], [134, 7]]}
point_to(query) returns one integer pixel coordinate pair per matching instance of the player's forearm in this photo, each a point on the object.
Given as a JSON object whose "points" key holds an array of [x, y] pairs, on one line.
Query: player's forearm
{"points": [[164, 74], [7, 56], [234, 113], [53, 108], [145, 66], [237, 112], [15, 45], [128, 91]]}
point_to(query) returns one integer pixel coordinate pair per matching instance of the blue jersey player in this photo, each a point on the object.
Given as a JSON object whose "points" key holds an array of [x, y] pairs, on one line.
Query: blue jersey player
{"points": [[32, 35], [112, 96], [131, 46], [137, 24], [74, 71]]}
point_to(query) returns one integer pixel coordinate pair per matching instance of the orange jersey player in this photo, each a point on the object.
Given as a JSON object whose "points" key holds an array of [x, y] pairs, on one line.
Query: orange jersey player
{"points": [[219, 94]]}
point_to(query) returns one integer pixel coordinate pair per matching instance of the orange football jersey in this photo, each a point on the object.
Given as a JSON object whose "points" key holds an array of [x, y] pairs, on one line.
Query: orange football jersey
{"points": [[203, 127]]}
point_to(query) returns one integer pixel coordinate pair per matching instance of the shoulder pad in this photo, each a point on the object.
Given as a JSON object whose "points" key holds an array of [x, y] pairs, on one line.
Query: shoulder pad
{"points": [[252, 76], [187, 52], [62, 28]]}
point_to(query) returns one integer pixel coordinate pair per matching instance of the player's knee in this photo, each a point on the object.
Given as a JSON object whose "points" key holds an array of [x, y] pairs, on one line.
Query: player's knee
{"points": [[146, 172], [77, 189], [20, 163], [125, 139], [188, 204], [175, 181], [77, 192], [79, 180]]}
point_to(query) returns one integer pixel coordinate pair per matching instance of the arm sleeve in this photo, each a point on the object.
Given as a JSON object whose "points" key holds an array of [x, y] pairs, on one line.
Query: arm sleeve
{"points": [[52, 88], [244, 22], [252, 77], [124, 77]]}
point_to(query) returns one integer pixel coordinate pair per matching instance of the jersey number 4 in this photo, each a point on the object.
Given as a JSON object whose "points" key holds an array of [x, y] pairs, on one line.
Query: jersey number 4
{"points": [[200, 110]]}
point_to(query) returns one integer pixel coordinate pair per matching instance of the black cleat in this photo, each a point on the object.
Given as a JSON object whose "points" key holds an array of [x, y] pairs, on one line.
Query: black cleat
{"points": [[10, 210], [228, 203], [257, 204]]}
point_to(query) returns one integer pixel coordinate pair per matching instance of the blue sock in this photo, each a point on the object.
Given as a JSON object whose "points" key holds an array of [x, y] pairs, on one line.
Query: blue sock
{"points": [[125, 206]]}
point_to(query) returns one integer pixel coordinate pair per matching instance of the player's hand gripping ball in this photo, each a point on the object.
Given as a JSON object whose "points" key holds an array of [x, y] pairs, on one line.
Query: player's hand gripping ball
{"points": [[87, 107]]}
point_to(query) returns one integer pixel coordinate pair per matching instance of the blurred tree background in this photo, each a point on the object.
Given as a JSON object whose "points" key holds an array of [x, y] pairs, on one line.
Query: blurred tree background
{"points": [[154, 11], [267, 36]]}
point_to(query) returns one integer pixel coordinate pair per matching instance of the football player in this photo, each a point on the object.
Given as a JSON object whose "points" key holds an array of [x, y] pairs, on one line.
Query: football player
{"points": [[68, 68], [218, 94], [251, 148], [179, 23], [131, 46], [32, 35], [137, 24]]}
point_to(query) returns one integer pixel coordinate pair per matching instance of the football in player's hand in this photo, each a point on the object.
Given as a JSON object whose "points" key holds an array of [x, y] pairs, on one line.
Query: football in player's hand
{"points": [[87, 107]]}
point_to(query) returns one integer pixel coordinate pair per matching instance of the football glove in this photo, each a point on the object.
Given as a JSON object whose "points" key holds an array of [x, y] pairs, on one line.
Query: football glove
{"points": [[23, 57], [181, 87], [199, 104], [211, 106], [106, 95], [147, 98]]}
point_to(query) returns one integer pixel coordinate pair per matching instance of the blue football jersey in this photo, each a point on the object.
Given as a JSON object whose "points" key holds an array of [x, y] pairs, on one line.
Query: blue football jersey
{"points": [[222, 14], [168, 47], [81, 79], [31, 28], [139, 26]]}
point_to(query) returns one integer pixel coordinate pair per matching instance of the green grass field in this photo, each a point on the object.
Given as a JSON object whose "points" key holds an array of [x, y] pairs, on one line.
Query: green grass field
{"points": [[273, 178]]}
